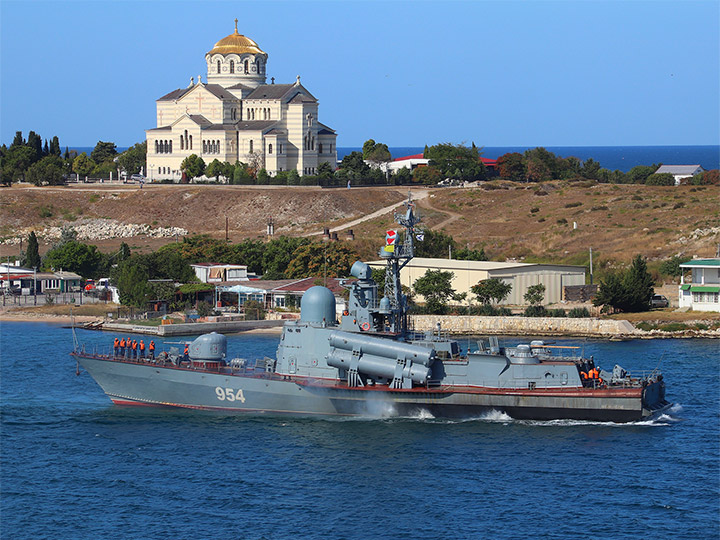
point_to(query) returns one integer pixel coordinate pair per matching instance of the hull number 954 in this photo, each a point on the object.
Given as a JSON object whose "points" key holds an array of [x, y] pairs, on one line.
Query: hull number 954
{"points": [[228, 394]]}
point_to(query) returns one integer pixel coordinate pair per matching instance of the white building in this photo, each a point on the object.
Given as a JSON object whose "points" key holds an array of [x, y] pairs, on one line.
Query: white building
{"points": [[519, 275], [215, 273], [680, 172], [236, 116], [703, 291]]}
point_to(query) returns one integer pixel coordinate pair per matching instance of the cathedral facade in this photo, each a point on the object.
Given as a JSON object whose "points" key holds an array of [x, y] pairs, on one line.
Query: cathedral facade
{"points": [[237, 116]]}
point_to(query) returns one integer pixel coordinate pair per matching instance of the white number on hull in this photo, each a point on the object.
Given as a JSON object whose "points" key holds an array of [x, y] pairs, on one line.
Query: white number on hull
{"points": [[228, 394]]}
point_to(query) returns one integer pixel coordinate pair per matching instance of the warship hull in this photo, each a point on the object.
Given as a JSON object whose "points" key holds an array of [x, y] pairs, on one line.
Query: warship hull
{"points": [[148, 384]]}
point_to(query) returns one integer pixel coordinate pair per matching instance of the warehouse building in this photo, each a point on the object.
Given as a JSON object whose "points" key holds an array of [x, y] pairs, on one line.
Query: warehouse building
{"points": [[520, 275]]}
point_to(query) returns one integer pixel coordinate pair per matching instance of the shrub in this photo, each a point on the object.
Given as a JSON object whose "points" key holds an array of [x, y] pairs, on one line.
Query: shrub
{"points": [[562, 221], [534, 210], [535, 311], [556, 313], [645, 326], [573, 204], [578, 313], [673, 327]]}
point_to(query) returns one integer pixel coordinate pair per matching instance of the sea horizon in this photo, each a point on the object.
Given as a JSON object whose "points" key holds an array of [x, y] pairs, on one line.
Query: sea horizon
{"points": [[621, 158]]}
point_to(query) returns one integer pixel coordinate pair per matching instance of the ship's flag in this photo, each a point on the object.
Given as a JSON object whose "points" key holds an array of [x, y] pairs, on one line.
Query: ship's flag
{"points": [[390, 240]]}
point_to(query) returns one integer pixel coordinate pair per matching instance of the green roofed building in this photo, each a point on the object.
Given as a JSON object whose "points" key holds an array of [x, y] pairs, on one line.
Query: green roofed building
{"points": [[703, 291]]}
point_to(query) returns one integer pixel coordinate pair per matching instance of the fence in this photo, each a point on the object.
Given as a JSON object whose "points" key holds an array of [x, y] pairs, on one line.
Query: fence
{"points": [[71, 298]]}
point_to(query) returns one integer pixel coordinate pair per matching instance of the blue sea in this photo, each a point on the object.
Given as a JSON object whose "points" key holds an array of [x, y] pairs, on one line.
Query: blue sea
{"points": [[74, 466], [623, 158]]}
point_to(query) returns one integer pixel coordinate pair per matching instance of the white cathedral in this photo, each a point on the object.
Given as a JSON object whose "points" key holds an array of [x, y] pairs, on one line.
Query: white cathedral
{"points": [[236, 116]]}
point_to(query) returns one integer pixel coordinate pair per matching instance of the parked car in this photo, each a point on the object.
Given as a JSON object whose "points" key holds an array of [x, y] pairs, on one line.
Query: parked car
{"points": [[89, 285], [659, 301], [137, 178]]}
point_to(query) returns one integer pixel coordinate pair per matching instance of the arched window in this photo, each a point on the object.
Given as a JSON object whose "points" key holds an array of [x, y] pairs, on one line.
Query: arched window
{"points": [[218, 66], [269, 148], [170, 145], [312, 143], [182, 143], [251, 146], [320, 148], [190, 142], [246, 66], [204, 147], [157, 150], [232, 66], [167, 150], [280, 149]]}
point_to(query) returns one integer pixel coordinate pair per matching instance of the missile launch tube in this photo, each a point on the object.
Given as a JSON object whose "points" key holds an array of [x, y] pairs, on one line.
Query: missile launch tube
{"points": [[377, 366], [382, 347]]}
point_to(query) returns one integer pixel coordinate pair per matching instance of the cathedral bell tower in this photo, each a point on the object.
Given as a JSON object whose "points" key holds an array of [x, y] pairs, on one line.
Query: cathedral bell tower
{"points": [[236, 59]]}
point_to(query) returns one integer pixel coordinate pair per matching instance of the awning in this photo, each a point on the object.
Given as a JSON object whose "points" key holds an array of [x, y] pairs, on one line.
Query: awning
{"points": [[705, 288], [685, 287], [242, 289]]}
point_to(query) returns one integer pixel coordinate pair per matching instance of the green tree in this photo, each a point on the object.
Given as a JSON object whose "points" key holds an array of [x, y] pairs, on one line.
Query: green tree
{"points": [[32, 254], [193, 166], [354, 167], [132, 279], [74, 256], [133, 160], [16, 162], [591, 169], [215, 169], [457, 161], [123, 252], [436, 287], [628, 291], [34, 141], [467, 254], [638, 174], [49, 169], [83, 165], [661, 179], [435, 244], [241, 174], [277, 255], [428, 176], [321, 259], [671, 267], [638, 284], [103, 151], [491, 289], [535, 294], [55, 146]]}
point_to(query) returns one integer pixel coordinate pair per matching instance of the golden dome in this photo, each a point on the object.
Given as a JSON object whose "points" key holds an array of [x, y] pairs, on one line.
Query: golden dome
{"points": [[236, 43]]}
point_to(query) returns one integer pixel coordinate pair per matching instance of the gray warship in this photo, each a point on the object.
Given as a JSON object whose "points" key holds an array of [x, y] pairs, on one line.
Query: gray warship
{"points": [[368, 362]]}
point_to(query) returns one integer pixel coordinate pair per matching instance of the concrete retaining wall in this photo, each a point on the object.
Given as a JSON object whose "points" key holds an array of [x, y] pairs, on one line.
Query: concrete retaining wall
{"points": [[519, 326]]}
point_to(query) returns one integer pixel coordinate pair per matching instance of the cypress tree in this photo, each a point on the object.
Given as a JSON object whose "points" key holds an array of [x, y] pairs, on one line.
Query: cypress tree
{"points": [[32, 256]]}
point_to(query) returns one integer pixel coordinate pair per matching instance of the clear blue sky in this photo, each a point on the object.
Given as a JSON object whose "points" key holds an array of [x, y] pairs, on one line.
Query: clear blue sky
{"points": [[572, 73]]}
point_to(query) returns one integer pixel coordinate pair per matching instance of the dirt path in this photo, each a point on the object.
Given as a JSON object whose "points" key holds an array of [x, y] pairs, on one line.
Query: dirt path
{"points": [[427, 203], [416, 196]]}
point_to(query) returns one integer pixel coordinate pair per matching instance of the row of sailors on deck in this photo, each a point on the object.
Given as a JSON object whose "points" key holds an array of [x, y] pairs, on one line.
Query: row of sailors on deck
{"points": [[132, 348], [591, 375]]}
